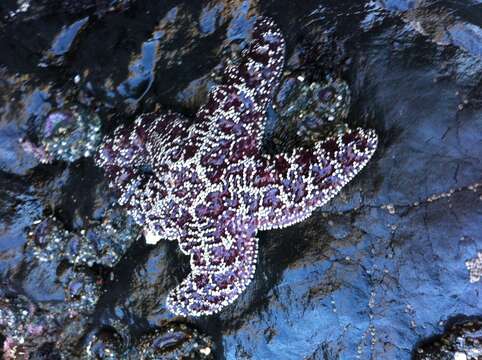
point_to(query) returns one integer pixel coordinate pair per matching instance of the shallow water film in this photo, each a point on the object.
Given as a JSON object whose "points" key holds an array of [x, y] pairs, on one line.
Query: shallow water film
{"points": [[391, 268]]}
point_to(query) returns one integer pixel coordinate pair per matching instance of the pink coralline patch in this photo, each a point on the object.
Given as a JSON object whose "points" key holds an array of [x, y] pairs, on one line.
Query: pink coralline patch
{"points": [[12, 350], [207, 184]]}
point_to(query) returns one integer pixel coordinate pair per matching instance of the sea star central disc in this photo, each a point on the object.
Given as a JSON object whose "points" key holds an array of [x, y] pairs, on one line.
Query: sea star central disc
{"points": [[208, 185]]}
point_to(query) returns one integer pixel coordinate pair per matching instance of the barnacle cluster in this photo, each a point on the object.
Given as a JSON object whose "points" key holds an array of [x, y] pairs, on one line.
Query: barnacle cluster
{"points": [[174, 342], [462, 340], [170, 342], [82, 289], [66, 134], [23, 326], [310, 108], [101, 243]]}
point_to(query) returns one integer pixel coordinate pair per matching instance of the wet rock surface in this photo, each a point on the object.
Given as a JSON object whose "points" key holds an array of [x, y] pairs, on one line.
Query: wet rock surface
{"points": [[379, 273]]}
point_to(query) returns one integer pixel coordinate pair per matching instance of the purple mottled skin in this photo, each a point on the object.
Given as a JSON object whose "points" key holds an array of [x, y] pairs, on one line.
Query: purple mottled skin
{"points": [[211, 188]]}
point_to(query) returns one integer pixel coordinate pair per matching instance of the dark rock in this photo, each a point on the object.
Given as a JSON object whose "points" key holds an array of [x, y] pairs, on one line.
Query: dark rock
{"points": [[461, 340], [388, 264]]}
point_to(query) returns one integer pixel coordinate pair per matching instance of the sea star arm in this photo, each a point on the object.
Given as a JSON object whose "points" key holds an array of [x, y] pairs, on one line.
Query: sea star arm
{"points": [[131, 159], [219, 274], [232, 122], [261, 64], [291, 186]]}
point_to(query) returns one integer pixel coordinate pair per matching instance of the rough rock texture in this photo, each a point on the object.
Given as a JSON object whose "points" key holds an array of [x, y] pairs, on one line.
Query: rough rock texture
{"points": [[375, 274]]}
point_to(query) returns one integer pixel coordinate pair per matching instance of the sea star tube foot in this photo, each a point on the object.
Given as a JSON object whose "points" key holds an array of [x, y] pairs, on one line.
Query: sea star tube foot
{"points": [[208, 185]]}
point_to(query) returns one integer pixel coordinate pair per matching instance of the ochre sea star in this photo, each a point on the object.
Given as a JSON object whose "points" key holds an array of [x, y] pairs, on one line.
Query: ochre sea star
{"points": [[208, 185]]}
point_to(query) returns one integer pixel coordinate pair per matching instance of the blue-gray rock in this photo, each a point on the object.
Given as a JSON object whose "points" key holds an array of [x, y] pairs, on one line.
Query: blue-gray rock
{"points": [[379, 273]]}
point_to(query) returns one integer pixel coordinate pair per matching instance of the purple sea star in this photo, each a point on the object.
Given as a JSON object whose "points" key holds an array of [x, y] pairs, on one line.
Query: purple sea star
{"points": [[209, 186]]}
